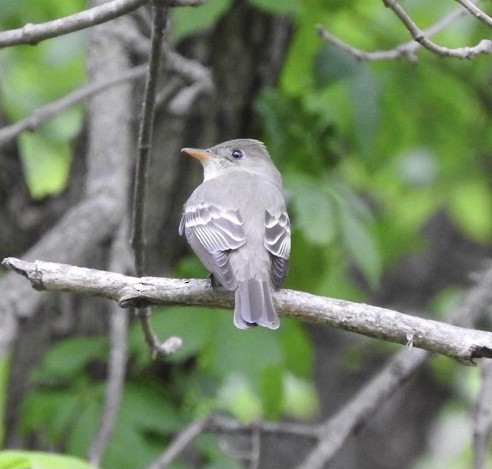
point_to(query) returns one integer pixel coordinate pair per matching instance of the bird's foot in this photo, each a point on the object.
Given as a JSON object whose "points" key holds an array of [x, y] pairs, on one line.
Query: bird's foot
{"points": [[213, 281]]}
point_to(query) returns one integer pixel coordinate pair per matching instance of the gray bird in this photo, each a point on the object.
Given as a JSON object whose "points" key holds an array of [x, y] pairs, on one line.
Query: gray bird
{"points": [[237, 224]]}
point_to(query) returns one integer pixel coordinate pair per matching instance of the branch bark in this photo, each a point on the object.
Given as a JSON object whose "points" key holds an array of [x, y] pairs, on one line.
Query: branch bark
{"points": [[408, 49], [460, 343], [34, 33], [483, 47], [46, 112]]}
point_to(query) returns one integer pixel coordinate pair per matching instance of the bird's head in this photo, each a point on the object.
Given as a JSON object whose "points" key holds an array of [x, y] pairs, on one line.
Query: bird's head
{"points": [[235, 155]]}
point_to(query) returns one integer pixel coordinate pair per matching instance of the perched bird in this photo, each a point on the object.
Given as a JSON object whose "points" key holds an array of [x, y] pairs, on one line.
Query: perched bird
{"points": [[237, 224]]}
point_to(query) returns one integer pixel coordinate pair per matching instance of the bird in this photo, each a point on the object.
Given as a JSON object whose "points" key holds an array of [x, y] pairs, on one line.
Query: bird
{"points": [[237, 224]]}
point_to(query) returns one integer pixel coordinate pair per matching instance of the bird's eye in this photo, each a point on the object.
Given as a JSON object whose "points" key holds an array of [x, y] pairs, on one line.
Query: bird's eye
{"points": [[237, 154]]}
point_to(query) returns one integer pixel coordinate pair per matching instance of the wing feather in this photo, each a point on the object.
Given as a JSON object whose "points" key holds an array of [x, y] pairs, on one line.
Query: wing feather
{"points": [[277, 242], [213, 232]]}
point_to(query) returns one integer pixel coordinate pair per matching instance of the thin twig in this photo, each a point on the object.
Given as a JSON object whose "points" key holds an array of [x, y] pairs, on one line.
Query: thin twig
{"points": [[406, 50], [483, 47], [33, 33], [476, 12], [118, 327], [255, 454], [179, 444], [482, 421], [335, 431], [159, 19], [160, 12], [219, 424], [50, 110]]}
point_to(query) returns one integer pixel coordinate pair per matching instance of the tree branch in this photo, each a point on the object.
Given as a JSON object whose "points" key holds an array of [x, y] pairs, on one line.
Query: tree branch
{"points": [[483, 47], [33, 33], [408, 49], [46, 112], [179, 443], [118, 329], [160, 10], [460, 343], [159, 15], [101, 210], [476, 12], [334, 432], [482, 421]]}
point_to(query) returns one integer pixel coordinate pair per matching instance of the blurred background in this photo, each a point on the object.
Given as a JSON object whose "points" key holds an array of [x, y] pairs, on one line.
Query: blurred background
{"points": [[387, 168]]}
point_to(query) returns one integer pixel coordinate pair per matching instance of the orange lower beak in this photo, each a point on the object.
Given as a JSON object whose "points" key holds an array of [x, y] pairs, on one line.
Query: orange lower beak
{"points": [[197, 153]]}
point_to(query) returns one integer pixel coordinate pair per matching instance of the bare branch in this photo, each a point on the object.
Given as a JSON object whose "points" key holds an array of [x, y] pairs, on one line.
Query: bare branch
{"points": [[221, 424], [483, 47], [179, 444], [118, 328], [33, 33], [476, 12], [50, 110], [185, 3], [482, 420], [336, 430], [406, 50], [159, 19], [100, 211], [462, 344], [145, 138]]}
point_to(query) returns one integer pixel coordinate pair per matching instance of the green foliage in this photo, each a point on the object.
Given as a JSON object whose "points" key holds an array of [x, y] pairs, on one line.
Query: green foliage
{"points": [[188, 21], [33, 76], [470, 206], [4, 375], [37, 460], [67, 412], [249, 374], [70, 357], [283, 7], [257, 359], [369, 153]]}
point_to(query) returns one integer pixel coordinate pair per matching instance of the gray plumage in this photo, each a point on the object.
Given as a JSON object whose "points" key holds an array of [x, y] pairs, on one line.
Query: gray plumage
{"points": [[237, 224]]}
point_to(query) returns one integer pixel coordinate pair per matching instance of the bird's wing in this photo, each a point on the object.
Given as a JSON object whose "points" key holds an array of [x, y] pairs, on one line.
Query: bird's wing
{"points": [[277, 242], [213, 232]]}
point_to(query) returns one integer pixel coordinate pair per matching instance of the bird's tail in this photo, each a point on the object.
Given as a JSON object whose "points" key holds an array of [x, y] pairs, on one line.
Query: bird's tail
{"points": [[254, 305]]}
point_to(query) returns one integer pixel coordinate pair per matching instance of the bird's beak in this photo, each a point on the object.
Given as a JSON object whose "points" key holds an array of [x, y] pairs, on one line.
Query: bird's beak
{"points": [[201, 155]]}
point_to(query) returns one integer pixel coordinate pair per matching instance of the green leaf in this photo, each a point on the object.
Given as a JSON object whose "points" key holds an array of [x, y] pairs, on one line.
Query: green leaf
{"points": [[145, 408], [238, 397], [147, 418], [53, 412], [313, 209], [300, 398], [296, 348], [271, 386], [365, 92], [4, 380], [188, 21], [470, 206], [193, 325], [249, 351], [331, 64], [360, 244], [46, 164], [283, 7], [20, 459], [212, 454], [70, 357]]}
